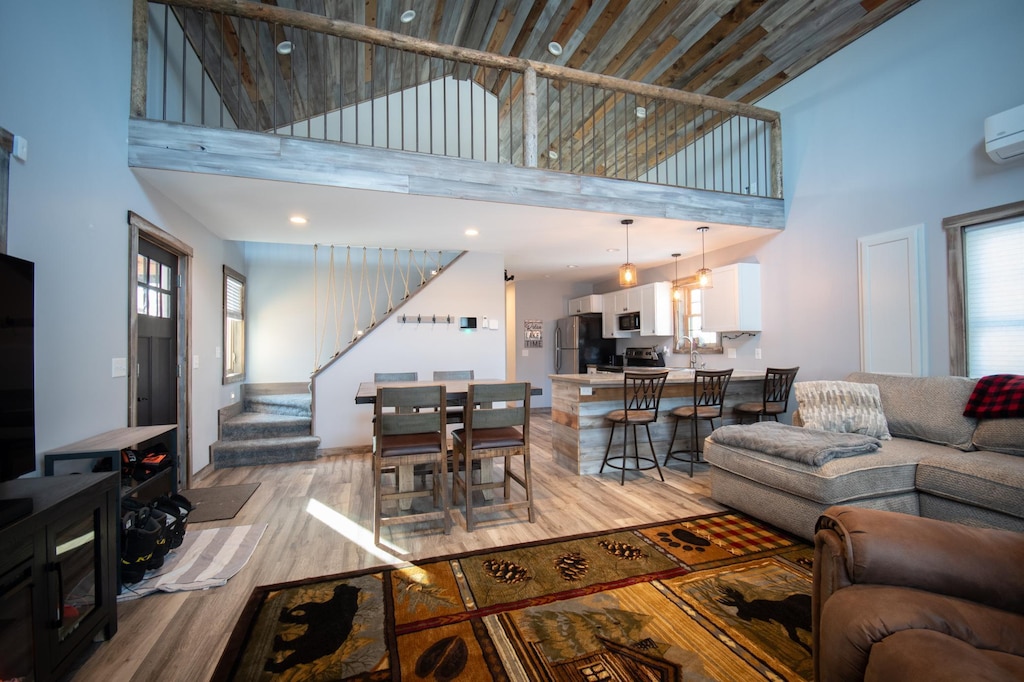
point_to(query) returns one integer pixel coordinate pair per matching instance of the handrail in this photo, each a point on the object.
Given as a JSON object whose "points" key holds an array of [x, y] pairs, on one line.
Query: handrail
{"points": [[707, 121]]}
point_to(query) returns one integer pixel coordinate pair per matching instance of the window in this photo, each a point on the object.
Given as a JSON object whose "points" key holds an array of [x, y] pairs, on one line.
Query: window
{"points": [[234, 326], [986, 275], [154, 288], [689, 320]]}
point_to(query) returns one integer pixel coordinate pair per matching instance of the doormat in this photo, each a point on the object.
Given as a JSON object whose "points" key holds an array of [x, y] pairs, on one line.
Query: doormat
{"points": [[206, 558], [218, 502], [715, 597]]}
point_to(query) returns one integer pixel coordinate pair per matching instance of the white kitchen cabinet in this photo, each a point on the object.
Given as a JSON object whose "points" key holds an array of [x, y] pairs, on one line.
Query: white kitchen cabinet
{"points": [[625, 300], [586, 304], [733, 304], [610, 319], [656, 309]]}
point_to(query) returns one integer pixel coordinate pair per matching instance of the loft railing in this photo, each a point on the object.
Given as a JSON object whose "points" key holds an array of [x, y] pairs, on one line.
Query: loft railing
{"points": [[224, 64]]}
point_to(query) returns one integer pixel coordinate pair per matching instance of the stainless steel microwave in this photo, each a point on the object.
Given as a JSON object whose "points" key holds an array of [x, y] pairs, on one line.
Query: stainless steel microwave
{"points": [[629, 322]]}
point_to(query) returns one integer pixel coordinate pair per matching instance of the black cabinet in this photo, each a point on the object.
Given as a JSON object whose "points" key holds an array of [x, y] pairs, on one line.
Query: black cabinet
{"points": [[58, 572]]}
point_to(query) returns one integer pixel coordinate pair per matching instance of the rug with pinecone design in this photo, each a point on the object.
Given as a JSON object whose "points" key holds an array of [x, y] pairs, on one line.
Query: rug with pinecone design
{"points": [[715, 597]]}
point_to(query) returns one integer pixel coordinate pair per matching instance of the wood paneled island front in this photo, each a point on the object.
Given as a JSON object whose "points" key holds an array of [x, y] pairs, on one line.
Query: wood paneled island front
{"points": [[579, 432]]}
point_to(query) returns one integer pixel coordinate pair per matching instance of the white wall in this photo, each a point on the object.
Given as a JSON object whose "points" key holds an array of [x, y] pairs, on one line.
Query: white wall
{"points": [[65, 89], [473, 286]]}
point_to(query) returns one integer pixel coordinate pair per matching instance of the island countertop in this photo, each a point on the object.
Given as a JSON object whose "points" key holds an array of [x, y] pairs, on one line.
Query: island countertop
{"points": [[579, 402]]}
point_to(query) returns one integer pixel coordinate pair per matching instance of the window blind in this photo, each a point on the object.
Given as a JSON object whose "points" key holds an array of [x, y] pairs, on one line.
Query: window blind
{"points": [[994, 297], [233, 298]]}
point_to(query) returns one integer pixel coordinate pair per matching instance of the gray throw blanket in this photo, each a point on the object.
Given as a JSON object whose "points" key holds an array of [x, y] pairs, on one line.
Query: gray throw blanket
{"points": [[810, 446]]}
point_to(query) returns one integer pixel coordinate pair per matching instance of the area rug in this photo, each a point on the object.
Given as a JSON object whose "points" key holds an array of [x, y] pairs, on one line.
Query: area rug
{"points": [[206, 558], [218, 502], [716, 597]]}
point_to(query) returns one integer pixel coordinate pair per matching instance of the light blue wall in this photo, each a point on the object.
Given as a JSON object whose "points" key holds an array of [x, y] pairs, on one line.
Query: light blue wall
{"points": [[64, 87]]}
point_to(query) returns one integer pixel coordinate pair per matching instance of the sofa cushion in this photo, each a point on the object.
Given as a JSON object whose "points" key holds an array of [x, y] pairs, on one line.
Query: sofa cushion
{"points": [[841, 407], [1000, 435], [989, 480], [925, 408], [889, 471]]}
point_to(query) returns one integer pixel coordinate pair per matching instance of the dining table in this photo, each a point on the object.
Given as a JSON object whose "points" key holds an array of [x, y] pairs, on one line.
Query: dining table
{"points": [[456, 392]]}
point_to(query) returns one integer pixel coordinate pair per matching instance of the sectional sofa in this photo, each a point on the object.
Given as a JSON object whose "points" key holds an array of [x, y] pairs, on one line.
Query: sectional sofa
{"points": [[938, 463]]}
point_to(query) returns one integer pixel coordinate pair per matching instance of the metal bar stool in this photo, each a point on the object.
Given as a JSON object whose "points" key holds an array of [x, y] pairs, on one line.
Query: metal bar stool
{"points": [[491, 432], [708, 400], [405, 438], [641, 396], [777, 384]]}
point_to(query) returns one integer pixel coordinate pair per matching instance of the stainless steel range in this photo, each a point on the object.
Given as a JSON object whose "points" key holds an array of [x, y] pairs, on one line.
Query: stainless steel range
{"points": [[644, 356]]}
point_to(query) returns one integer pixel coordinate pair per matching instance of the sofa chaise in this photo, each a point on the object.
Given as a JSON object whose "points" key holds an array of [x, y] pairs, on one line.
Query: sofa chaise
{"points": [[938, 464]]}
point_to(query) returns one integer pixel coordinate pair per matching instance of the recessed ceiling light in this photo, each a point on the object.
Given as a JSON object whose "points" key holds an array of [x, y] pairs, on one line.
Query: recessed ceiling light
{"points": [[284, 47], [472, 232], [571, 266], [641, 112], [407, 16], [555, 48], [298, 220], [611, 250]]}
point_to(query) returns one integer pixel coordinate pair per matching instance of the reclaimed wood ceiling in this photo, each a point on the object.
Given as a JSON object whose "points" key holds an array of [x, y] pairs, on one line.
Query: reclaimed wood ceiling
{"points": [[738, 50]]}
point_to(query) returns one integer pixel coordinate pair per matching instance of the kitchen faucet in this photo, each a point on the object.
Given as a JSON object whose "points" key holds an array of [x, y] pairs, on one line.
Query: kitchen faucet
{"points": [[695, 362]]}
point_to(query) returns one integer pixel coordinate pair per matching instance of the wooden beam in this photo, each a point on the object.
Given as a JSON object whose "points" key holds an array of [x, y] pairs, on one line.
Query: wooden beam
{"points": [[140, 52]]}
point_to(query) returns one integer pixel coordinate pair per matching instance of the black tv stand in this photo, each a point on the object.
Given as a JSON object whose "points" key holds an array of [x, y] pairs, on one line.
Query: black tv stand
{"points": [[13, 509]]}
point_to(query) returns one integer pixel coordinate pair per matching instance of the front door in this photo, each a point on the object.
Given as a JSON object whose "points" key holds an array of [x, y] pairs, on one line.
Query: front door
{"points": [[157, 377]]}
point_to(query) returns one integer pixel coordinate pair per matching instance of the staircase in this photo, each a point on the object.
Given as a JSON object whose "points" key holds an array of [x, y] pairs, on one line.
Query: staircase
{"points": [[272, 428]]}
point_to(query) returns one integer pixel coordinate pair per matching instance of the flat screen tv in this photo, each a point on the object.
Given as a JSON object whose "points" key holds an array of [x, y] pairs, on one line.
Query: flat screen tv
{"points": [[17, 369]]}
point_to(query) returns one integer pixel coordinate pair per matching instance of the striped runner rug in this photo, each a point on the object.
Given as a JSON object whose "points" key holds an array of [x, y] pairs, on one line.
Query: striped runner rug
{"points": [[206, 558]]}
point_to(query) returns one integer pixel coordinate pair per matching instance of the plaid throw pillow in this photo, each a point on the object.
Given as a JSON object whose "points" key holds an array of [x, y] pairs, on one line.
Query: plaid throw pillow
{"points": [[997, 396]]}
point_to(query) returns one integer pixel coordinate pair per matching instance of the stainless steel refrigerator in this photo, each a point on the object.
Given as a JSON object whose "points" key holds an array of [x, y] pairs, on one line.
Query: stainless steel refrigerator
{"points": [[578, 343]]}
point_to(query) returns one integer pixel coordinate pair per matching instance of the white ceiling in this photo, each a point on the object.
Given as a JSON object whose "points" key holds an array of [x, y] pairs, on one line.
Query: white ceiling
{"points": [[536, 242]]}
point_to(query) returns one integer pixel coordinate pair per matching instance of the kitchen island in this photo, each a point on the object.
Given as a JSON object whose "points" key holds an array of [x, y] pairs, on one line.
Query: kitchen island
{"points": [[579, 402]]}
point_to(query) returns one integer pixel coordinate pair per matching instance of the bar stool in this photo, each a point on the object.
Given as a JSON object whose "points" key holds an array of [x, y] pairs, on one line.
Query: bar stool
{"points": [[405, 438], [641, 396], [491, 432], [708, 400], [775, 400], [386, 377]]}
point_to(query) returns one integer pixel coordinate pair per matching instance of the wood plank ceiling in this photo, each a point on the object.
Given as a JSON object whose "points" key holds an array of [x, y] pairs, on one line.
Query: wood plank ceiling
{"points": [[738, 50]]}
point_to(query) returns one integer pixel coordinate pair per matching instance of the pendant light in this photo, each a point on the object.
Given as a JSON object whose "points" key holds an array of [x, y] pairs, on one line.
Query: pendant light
{"points": [[627, 271], [704, 274], [677, 291]]}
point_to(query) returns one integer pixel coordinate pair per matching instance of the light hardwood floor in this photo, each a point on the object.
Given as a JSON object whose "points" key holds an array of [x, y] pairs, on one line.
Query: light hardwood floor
{"points": [[181, 636]]}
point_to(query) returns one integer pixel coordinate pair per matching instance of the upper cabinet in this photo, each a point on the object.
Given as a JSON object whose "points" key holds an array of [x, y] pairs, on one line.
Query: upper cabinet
{"points": [[586, 304], [733, 304], [652, 301], [656, 309]]}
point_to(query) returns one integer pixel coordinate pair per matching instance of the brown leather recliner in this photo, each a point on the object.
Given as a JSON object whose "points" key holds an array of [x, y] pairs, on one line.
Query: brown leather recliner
{"points": [[900, 597]]}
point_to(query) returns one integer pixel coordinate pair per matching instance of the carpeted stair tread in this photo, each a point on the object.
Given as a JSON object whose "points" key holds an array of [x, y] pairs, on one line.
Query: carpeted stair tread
{"points": [[296, 404], [228, 453], [250, 425]]}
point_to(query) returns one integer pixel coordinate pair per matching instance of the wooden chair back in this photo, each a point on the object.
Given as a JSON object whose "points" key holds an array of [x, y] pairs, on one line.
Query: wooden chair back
{"points": [[396, 411], [384, 377], [480, 413], [455, 374]]}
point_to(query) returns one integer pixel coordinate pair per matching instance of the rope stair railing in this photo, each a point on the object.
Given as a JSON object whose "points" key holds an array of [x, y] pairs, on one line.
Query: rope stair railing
{"points": [[361, 288]]}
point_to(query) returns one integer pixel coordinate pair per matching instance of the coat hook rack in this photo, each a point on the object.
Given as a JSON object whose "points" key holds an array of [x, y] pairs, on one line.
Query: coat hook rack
{"points": [[426, 319]]}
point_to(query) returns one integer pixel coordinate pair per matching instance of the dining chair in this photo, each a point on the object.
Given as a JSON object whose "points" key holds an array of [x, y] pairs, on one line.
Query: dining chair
{"points": [[775, 398], [708, 400], [641, 398], [383, 377], [454, 412], [490, 432], [405, 438]]}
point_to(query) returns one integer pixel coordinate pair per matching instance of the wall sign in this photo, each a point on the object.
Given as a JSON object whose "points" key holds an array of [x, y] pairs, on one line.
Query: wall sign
{"points": [[533, 336]]}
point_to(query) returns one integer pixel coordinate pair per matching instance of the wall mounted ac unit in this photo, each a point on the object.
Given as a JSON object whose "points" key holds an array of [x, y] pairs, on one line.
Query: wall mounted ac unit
{"points": [[1004, 135]]}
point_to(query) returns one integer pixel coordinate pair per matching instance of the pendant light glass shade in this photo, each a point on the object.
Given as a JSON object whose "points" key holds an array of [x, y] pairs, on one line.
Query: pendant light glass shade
{"points": [[704, 274], [627, 271], [677, 291]]}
